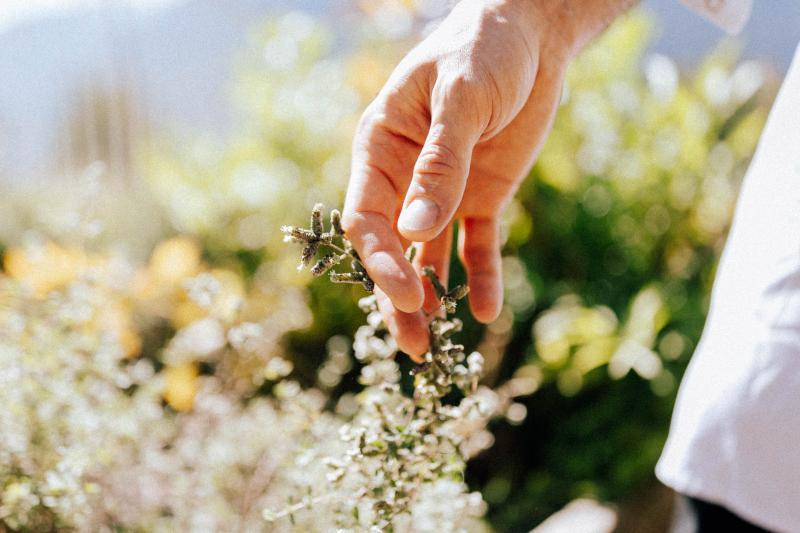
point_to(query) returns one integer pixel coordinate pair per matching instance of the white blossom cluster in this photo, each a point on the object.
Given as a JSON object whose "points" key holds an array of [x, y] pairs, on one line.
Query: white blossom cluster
{"points": [[398, 461], [403, 469], [97, 437], [405, 457], [68, 406], [98, 433], [158, 398]]}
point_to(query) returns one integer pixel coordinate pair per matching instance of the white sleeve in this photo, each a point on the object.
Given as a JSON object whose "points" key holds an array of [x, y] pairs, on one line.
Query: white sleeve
{"points": [[730, 15]]}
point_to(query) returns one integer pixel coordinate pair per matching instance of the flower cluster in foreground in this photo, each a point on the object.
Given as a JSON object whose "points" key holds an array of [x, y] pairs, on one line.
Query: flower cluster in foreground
{"points": [[405, 455], [110, 421], [158, 397]]}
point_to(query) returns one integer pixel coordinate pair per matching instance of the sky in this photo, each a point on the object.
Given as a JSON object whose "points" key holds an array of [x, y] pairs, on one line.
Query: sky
{"points": [[13, 12]]}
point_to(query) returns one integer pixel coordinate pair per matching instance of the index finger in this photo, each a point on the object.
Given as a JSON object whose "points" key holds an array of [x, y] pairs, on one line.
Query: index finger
{"points": [[371, 205]]}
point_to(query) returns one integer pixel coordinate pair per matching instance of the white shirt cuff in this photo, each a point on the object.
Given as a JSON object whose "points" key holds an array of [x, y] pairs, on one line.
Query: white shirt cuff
{"points": [[730, 15]]}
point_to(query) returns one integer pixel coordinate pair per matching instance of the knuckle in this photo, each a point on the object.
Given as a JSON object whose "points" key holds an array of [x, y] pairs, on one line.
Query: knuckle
{"points": [[457, 91], [367, 230], [461, 83], [354, 223], [437, 159], [348, 222], [369, 121], [473, 92]]}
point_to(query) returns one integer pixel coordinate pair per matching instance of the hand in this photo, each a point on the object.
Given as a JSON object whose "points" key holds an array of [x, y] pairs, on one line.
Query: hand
{"points": [[451, 136]]}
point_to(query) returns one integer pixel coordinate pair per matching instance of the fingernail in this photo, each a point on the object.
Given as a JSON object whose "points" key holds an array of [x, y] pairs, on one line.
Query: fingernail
{"points": [[421, 214]]}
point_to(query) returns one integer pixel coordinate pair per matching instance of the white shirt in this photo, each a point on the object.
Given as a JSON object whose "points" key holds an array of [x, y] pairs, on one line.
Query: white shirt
{"points": [[735, 434]]}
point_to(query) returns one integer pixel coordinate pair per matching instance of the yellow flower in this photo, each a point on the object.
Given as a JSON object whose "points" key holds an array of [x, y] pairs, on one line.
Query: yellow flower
{"points": [[175, 259], [158, 286], [44, 268], [180, 386]]}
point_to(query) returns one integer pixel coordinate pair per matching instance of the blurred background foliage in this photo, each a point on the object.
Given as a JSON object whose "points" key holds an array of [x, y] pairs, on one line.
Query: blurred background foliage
{"points": [[610, 245]]}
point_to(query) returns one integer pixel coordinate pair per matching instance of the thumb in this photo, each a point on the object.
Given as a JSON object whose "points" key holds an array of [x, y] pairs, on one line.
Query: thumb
{"points": [[441, 170]]}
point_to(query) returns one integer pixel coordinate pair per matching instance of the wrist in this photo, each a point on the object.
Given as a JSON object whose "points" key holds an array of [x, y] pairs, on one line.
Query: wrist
{"points": [[567, 26], [545, 24]]}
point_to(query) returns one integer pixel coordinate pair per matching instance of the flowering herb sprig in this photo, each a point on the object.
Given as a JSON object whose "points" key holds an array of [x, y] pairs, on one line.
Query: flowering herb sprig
{"points": [[403, 452], [338, 249]]}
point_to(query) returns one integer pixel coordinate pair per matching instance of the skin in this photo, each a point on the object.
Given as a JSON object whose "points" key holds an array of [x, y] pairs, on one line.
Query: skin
{"points": [[451, 136]]}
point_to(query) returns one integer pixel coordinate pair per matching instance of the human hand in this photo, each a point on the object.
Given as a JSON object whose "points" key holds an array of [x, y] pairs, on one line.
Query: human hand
{"points": [[450, 136]]}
